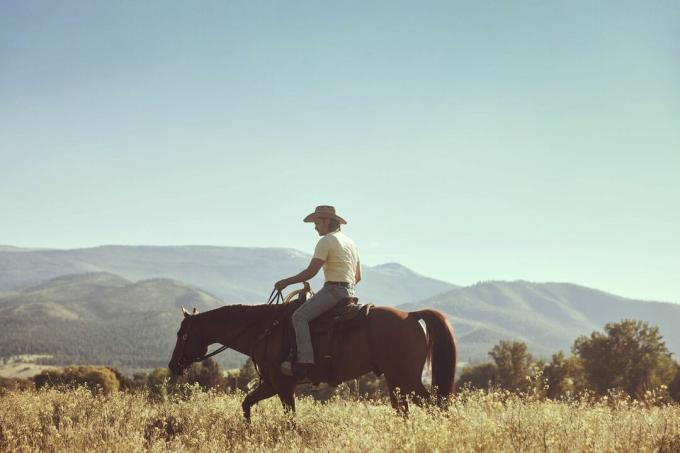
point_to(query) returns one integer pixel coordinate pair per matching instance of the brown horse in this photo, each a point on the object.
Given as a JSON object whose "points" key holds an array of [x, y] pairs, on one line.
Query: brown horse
{"points": [[390, 341]]}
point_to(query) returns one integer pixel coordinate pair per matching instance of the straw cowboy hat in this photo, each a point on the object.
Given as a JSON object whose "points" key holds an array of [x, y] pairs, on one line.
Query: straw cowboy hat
{"points": [[324, 212]]}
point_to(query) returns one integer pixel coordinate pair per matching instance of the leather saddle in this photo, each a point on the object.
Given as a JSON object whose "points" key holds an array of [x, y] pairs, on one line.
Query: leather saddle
{"points": [[347, 313]]}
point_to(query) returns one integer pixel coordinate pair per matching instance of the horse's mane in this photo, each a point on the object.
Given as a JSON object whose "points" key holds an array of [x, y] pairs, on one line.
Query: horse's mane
{"points": [[241, 312]]}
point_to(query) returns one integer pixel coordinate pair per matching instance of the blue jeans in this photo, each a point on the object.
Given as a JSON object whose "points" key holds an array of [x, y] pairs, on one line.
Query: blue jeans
{"points": [[315, 306]]}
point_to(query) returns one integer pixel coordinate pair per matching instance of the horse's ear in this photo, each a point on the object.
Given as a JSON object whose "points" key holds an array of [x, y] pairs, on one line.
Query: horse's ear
{"points": [[185, 312], [195, 311]]}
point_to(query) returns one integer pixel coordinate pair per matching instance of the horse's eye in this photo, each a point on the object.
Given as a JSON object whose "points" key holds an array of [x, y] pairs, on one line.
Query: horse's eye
{"points": [[184, 337]]}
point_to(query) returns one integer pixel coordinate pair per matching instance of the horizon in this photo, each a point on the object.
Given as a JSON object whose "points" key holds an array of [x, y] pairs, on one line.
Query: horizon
{"points": [[462, 140]]}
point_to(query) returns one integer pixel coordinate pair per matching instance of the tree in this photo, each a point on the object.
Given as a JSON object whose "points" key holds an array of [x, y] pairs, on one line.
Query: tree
{"points": [[563, 375], [674, 386], [478, 376], [513, 364], [630, 356], [207, 374]]}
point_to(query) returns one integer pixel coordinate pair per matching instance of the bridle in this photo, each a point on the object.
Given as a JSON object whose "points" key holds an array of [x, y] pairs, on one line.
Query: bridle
{"points": [[182, 364], [275, 298]]}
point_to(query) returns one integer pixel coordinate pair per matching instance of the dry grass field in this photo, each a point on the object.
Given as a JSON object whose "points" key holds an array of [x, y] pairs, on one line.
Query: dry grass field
{"points": [[23, 366], [20, 370], [77, 420]]}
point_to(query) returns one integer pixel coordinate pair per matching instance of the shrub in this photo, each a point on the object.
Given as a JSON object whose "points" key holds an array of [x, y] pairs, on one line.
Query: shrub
{"points": [[14, 384], [93, 377]]}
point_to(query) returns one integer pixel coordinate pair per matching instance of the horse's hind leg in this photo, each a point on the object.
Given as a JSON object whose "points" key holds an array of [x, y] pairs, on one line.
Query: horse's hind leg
{"points": [[397, 398], [401, 391], [286, 391], [420, 394], [261, 392]]}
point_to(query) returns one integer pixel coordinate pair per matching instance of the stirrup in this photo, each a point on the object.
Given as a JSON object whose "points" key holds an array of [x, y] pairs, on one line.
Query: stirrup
{"points": [[287, 364], [287, 367], [299, 371]]}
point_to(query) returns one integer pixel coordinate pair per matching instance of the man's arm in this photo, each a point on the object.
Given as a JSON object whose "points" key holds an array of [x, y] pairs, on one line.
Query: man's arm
{"points": [[303, 276], [357, 273]]}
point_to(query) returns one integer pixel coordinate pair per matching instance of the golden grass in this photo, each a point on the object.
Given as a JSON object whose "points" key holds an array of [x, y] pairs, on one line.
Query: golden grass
{"points": [[77, 420]]}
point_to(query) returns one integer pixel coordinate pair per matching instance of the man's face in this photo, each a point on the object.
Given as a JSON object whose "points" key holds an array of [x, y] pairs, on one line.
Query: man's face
{"points": [[321, 226]]}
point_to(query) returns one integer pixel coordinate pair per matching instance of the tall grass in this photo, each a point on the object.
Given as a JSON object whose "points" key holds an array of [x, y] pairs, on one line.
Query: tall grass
{"points": [[78, 420]]}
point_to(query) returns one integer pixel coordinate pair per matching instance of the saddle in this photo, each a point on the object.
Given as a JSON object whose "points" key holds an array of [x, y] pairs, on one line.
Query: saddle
{"points": [[347, 313]]}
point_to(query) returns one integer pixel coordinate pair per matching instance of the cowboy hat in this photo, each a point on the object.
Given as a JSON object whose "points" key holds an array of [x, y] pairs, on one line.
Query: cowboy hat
{"points": [[324, 212]]}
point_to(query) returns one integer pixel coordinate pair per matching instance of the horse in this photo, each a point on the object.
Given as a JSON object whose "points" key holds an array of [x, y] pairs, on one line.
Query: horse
{"points": [[389, 341]]}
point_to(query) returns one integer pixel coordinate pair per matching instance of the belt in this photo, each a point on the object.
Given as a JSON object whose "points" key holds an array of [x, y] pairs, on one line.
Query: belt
{"points": [[345, 284]]}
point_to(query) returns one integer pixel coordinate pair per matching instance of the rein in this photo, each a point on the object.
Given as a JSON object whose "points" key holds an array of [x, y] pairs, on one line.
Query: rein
{"points": [[275, 298]]}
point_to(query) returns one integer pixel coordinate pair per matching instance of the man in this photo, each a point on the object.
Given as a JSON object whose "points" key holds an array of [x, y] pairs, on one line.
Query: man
{"points": [[340, 260]]}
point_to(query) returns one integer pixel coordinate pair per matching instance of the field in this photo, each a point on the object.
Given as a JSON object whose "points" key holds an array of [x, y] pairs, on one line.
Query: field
{"points": [[78, 420], [22, 370]]}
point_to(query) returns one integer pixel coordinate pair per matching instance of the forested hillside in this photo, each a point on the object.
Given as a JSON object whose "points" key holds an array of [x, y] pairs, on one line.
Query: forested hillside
{"points": [[100, 318]]}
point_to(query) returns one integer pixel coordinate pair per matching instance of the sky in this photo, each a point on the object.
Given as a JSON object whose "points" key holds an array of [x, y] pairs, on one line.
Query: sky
{"points": [[468, 141]]}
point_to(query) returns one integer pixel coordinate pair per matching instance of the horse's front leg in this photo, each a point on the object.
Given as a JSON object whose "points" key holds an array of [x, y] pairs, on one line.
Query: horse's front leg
{"points": [[286, 391], [287, 397], [261, 392]]}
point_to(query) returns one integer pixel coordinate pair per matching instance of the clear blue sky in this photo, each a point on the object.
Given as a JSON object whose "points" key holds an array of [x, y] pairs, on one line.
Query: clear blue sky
{"points": [[468, 141]]}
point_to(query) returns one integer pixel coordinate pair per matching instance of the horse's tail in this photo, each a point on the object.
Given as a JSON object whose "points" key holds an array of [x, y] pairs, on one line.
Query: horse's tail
{"points": [[441, 351]]}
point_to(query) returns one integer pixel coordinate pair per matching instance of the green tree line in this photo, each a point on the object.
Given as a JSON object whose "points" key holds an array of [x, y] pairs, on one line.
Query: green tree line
{"points": [[629, 357]]}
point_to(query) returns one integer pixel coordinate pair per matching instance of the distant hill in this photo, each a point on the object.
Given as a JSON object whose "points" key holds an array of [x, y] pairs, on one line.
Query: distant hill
{"points": [[121, 303], [233, 274], [392, 283], [547, 316], [11, 248], [100, 318]]}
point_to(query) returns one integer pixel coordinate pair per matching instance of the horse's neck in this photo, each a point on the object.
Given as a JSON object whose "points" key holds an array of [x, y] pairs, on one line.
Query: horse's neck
{"points": [[237, 326]]}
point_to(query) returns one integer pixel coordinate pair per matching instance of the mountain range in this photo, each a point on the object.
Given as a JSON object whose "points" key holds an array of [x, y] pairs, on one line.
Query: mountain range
{"points": [[546, 316], [233, 274], [119, 304]]}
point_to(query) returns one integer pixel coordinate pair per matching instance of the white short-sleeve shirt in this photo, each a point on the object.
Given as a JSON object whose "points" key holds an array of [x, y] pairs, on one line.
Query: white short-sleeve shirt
{"points": [[340, 257]]}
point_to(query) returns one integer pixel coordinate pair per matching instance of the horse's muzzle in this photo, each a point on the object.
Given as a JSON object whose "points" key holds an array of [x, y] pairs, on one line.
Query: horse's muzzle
{"points": [[176, 368]]}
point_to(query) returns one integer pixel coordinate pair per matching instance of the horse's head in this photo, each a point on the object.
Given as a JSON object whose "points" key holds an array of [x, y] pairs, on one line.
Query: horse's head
{"points": [[189, 346]]}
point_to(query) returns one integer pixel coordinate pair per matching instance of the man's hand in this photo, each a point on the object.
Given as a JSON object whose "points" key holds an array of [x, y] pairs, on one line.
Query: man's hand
{"points": [[303, 276], [281, 284]]}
